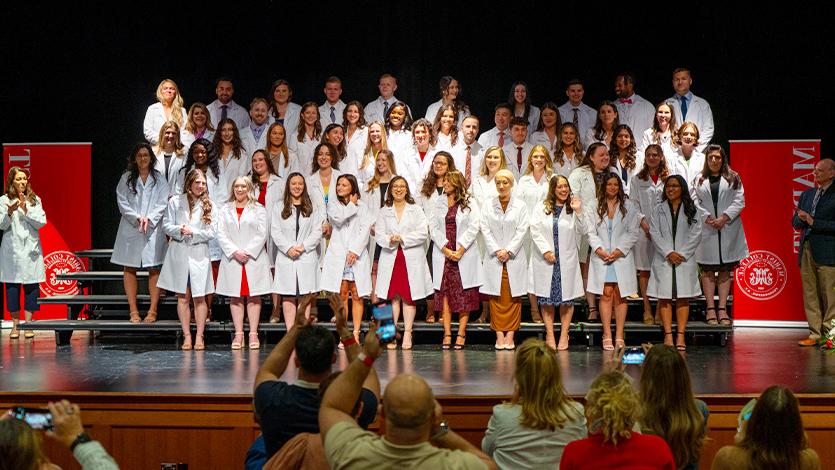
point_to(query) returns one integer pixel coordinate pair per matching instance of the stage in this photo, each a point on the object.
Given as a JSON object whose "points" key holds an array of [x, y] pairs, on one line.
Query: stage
{"points": [[753, 359]]}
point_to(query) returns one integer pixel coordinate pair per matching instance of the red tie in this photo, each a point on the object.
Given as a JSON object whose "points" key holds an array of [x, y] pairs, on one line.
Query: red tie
{"points": [[501, 138], [468, 168], [626, 100], [519, 158]]}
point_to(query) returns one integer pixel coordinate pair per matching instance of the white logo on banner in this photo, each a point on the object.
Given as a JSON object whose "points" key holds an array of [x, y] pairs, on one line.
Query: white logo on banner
{"points": [[762, 275]]}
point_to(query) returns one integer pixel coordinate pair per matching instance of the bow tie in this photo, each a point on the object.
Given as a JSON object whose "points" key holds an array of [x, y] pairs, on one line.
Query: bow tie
{"points": [[626, 100]]}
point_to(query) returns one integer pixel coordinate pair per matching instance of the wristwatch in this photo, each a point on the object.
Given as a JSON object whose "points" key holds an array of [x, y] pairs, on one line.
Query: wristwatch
{"points": [[82, 438], [443, 429]]}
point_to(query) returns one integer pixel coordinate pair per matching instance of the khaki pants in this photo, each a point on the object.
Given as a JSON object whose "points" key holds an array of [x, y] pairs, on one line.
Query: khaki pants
{"points": [[818, 293]]}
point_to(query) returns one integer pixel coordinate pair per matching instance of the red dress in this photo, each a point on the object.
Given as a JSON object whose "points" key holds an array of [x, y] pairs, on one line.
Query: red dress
{"points": [[458, 298], [399, 284], [244, 284], [262, 194]]}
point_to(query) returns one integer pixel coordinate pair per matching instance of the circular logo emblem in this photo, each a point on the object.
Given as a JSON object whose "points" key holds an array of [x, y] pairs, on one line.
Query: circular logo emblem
{"points": [[60, 262], [762, 275]]}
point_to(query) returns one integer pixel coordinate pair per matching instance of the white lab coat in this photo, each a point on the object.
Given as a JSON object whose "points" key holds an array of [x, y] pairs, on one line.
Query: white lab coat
{"points": [[531, 193], [569, 227], [505, 230], [510, 153], [364, 174], [325, 113], [630, 172], [234, 111], [303, 151], [685, 242], [249, 233], [691, 169], [375, 110], [568, 165], [187, 138], [187, 262], [638, 115], [175, 164], [459, 155], [414, 230], [432, 112], [533, 117], [467, 225], [583, 186], [317, 195], [133, 248], [292, 166], [155, 118], [542, 138], [351, 224], [491, 138], [250, 143], [646, 195], [700, 114], [589, 138], [624, 235], [229, 170], [665, 140], [410, 166], [357, 142], [430, 204], [291, 119], [273, 201], [734, 246], [21, 255], [301, 274]]}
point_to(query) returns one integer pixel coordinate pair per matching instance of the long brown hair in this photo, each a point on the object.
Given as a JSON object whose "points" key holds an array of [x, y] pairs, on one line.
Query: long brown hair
{"points": [[602, 205], [237, 144], [307, 205], [302, 127], [205, 202], [670, 410], [551, 198], [431, 180], [355, 188], [436, 124], [725, 171], [390, 198], [539, 389], [256, 180], [460, 195], [281, 148], [774, 436], [631, 151], [578, 147], [28, 194], [21, 445]]}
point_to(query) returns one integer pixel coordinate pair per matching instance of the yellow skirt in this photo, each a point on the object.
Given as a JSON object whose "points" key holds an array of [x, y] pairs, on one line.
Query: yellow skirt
{"points": [[505, 310]]}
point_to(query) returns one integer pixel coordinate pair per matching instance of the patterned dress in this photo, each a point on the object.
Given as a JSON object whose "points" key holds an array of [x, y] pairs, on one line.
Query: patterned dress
{"points": [[556, 281], [459, 299]]}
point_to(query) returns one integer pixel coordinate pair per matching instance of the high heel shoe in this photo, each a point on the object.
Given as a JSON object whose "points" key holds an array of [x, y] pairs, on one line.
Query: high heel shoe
{"points": [[28, 334], [563, 345], [186, 342], [459, 346], [607, 344], [681, 346], [711, 319], [254, 343], [724, 319], [237, 342], [593, 316], [446, 345], [199, 345], [407, 340], [670, 334], [620, 344], [15, 334], [134, 317], [151, 317]]}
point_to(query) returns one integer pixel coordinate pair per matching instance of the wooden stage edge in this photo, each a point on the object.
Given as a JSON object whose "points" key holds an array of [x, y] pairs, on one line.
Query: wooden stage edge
{"points": [[142, 430]]}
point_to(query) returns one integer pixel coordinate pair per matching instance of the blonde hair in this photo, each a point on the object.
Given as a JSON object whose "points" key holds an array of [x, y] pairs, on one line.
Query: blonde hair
{"points": [[540, 392], [369, 156], [374, 182], [613, 404], [250, 190], [483, 171], [190, 127], [176, 103], [549, 165], [505, 173], [178, 145]]}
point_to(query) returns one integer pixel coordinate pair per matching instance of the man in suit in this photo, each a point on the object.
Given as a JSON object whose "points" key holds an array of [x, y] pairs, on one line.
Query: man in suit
{"points": [[815, 217]]}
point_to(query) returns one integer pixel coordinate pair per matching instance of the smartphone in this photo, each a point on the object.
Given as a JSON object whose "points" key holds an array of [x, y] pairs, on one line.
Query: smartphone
{"points": [[386, 330], [37, 418], [633, 355]]}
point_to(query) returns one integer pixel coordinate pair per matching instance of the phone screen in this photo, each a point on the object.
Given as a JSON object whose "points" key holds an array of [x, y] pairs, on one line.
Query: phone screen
{"points": [[386, 329], [37, 418], [633, 355]]}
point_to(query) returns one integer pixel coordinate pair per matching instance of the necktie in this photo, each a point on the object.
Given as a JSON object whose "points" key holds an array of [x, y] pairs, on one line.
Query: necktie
{"points": [[683, 108], [333, 115], [501, 138], [519, 158], [576, 120], [223, 112], [385, 108], [816, 200], [468, 167], [625, 100]]}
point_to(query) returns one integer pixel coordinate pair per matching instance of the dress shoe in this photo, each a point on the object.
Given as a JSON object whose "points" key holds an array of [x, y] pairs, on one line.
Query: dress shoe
{"points": [[808, 342]]}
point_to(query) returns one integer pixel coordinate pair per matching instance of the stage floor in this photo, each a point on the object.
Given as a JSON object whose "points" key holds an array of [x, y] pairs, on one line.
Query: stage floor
{"points": [[754, 359]]}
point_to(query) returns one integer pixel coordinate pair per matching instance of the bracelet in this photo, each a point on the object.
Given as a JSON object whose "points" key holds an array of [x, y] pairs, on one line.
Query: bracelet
{"points": [[350, 341], [365, 359]]}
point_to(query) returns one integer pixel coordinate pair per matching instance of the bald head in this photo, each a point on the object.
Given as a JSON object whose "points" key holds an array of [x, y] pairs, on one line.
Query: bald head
{"points": [[408, 401]]}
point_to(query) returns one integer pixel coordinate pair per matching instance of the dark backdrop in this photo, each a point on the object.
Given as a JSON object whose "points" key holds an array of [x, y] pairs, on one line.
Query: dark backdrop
{"points": [[87, 73]]}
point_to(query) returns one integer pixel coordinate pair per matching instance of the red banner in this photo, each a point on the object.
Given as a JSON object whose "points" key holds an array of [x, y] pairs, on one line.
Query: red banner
{"points": [[775, 173], [60, 176]]}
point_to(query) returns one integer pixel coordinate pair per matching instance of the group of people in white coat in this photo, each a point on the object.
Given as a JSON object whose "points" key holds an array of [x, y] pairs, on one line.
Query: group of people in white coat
{"points": [[289, 200]]}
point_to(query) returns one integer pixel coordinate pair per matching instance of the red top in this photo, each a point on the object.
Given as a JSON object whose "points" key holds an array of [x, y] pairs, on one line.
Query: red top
{"points": [[654, 178], [240, 211], [262, 194], [639, 452], [422, 154]]}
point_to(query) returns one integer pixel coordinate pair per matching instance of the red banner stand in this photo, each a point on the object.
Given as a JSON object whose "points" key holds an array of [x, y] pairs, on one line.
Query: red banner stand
{"points": [[60, 175], [774, 174]]}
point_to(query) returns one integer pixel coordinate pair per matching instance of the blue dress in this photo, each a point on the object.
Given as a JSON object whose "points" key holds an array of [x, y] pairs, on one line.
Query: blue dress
{"points": [[556, 281]]}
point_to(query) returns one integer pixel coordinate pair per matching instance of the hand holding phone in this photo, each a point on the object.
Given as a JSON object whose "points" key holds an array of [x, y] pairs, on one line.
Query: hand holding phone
{"points": [[386, 329], [633, 355], [37, 418]]}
